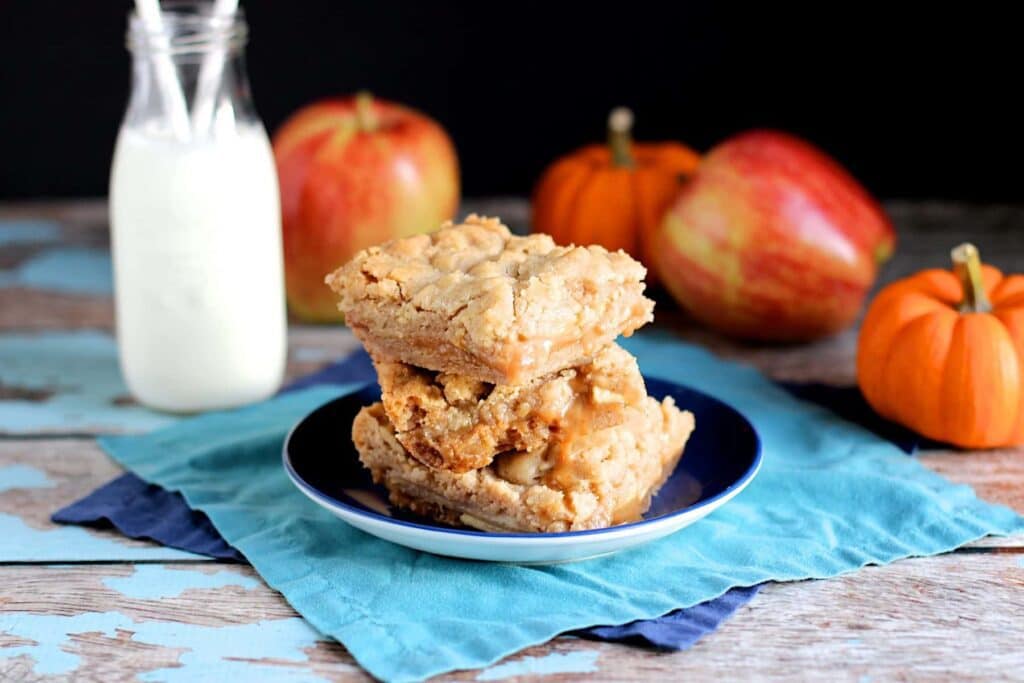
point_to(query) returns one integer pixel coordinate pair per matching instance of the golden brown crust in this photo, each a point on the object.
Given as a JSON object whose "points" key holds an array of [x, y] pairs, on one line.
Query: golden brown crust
{"points": [[458, 423], [593, 480], [473, 299]]}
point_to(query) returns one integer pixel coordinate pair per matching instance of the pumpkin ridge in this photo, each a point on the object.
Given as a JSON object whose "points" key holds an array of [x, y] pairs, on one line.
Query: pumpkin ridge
{"points": [[558, 172], [560, 213], [907, 328], [1013, 320], [951, 382], [1008, 293], [920, 404], [1015, 300], [1010, 364], [1009, 288], [982, 422], [936, 283], [639, 219], [572, 207], [992, 277], [562, 168], [873, 349]]}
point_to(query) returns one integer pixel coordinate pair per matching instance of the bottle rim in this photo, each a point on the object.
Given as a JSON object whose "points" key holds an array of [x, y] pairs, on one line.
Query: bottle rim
{"points": [[188, 27]]}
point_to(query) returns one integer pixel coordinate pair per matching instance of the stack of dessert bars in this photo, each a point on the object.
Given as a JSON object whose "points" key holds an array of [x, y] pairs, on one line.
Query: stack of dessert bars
{"points": [[506, 403]]}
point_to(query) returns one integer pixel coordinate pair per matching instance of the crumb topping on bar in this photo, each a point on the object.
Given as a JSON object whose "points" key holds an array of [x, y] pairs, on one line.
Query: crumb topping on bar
{"points": [[506, 300]]}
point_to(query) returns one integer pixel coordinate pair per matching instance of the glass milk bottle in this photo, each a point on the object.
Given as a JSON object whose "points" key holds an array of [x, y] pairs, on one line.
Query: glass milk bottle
{"points": [[195, 221]]}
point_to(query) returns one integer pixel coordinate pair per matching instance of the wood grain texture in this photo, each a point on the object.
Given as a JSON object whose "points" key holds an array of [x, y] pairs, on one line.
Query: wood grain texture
{"points": [[71, 468], [25, 309], [954, 617], [68, 382], [38, 477], [995, 475]]}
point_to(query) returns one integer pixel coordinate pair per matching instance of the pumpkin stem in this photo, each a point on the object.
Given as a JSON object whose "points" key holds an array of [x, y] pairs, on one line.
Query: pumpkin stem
{"points": [[967, 266], [366, 119], [620, 138]]}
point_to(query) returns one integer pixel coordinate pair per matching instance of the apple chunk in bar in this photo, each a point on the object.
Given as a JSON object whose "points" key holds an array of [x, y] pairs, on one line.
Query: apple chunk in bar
{"points": [[475, 300], [586, 480], [459, 423]]}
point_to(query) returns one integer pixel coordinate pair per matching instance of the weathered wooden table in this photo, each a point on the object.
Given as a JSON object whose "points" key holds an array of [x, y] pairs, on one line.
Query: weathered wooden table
{"points": [[80, 604]]}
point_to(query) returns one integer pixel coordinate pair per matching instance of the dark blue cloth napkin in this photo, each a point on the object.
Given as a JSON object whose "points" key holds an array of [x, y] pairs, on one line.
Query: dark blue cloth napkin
{"points": [[142, 510], [677, 630], [139, 509]]}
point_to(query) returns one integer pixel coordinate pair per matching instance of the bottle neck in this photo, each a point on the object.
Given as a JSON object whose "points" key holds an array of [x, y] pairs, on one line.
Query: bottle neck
{"points": [[186, 28], [188, 73]]}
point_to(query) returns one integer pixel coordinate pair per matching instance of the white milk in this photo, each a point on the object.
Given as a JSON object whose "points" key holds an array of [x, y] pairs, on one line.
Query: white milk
{"points": [[198, 268]]}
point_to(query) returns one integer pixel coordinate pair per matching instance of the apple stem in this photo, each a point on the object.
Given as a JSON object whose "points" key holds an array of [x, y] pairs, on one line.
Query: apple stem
{"points": [[620, 138], [366, 119], [967, 266]]}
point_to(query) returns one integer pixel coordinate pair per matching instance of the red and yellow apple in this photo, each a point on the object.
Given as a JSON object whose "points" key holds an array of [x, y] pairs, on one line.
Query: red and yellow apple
{"points": [[354, 172], [772, 240]]}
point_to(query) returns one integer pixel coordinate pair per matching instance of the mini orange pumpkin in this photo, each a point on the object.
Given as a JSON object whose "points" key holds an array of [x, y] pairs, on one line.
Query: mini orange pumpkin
{"points": [[614, 195], [943, 353]]}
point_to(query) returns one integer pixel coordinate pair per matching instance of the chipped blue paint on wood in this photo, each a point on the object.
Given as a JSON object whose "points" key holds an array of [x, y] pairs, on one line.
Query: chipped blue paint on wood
{"points": [[581, 662], [80, 372], [19, 476], [211, 652], [28, 232], [154, 581], [71, 270], [21, 543]]}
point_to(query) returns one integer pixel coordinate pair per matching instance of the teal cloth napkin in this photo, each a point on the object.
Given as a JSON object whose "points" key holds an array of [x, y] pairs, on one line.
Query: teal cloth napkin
{"points": [[831, 497]]}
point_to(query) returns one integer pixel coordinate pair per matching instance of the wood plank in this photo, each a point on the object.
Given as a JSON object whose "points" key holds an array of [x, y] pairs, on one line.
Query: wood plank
{"points": [[996, 475], [954, 617], [195, 622], [68, 382], [83, 222], [29, 233], [38, 477], [26, 309]]}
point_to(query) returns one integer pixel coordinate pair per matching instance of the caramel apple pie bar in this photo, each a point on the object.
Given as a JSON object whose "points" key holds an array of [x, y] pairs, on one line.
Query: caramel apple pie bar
{"points": [[475, 300], [459, 423], [580, 480]]}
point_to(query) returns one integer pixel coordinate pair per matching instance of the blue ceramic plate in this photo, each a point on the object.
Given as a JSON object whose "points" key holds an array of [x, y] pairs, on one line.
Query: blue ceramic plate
{"points": [[721, 458]]}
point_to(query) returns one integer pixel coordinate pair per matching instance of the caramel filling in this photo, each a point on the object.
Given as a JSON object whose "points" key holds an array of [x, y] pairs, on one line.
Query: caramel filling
{"points": [[561, 465], [529, 351]]}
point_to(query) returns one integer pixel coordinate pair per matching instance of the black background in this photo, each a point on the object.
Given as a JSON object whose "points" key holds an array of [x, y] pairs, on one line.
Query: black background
{"points": [[917, 102]]}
